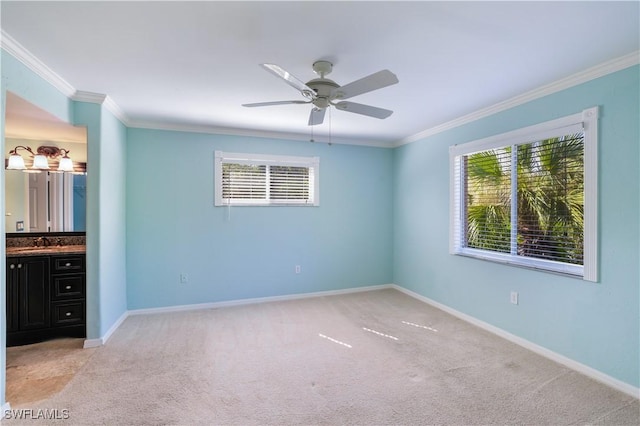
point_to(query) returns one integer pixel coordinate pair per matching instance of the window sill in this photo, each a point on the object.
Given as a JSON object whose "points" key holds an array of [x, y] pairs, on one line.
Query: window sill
{"points": [[266, 205], [558, 268]]}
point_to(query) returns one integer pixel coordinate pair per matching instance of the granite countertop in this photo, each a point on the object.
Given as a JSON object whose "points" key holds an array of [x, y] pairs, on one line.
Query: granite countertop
{"points": [[40, 251]]}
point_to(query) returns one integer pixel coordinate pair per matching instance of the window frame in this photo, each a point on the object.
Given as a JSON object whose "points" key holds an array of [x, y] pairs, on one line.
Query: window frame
{"points": [[312, 163], [587, 122]]}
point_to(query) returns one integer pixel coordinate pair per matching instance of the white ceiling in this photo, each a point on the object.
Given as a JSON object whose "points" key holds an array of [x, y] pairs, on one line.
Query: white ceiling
{"points": [[192, 64]]}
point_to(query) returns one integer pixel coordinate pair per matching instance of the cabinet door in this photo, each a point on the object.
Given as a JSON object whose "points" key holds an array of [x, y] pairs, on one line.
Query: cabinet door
{"points": [[12, 294], [34, 293]]}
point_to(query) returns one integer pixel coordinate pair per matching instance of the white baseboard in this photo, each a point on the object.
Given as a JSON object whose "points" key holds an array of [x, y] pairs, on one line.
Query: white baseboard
{"points": [[540, 350], [252, 301], [93, 343]]}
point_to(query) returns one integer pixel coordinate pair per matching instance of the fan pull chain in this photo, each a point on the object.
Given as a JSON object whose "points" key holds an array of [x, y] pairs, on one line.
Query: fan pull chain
{"points": [[329, 126]]}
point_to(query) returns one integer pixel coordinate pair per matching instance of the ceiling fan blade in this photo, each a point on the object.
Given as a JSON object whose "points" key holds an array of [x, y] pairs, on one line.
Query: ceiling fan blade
{"points": [[367, 110], [366, 84], [290, 79], [260, 104], [317, 116]]}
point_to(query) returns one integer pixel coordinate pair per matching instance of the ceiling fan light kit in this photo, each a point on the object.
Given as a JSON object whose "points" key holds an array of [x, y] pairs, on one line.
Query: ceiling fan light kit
{"points": [[323, 93]]}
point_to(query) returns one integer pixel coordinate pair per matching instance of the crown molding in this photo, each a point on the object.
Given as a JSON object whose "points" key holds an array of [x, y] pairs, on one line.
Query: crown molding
{"points": [[34, 64], [89, 97], [115, 109], [199, 128], [104, 100], [597, 71]]}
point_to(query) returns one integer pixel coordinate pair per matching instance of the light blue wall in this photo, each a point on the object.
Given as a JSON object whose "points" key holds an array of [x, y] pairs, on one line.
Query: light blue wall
{"points": [[112, 214], [106, 229], [250, 252], [596, 324]]}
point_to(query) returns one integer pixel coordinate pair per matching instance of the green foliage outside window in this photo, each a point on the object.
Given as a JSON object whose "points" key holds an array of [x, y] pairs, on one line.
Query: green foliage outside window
{"points": [[549, 199]]}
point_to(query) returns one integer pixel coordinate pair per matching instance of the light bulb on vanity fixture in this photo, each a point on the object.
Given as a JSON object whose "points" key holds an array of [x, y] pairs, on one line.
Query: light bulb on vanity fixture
{"points": [[65, 165], [40, 159], [40, 162], [16, 162]]}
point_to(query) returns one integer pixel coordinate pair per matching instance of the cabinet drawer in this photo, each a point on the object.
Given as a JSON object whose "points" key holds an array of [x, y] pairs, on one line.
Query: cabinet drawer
{"points": [[67, 313], [67, 263], [68, 286]]}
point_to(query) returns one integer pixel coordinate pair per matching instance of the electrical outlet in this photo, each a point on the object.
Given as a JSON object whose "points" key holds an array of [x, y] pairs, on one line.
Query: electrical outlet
{"points": [[298, 269], [514, 297], [184, 278]]}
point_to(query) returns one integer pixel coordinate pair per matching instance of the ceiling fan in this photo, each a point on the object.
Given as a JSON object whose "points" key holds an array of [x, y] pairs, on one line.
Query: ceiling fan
{"points": [[323, 93]]}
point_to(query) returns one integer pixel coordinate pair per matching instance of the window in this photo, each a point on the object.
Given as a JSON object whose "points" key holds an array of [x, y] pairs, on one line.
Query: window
{"points": [[265, 180], [528, 197]]}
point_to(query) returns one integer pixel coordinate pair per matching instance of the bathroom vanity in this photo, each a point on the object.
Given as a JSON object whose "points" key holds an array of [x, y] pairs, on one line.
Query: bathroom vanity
{"points": [[45, 293]]}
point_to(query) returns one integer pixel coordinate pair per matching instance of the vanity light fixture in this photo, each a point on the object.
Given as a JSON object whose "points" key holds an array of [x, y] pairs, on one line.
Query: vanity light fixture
{"points": [[40, 162]]}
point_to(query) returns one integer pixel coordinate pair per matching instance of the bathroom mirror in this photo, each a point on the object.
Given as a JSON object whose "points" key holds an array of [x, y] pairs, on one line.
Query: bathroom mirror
{"points": [[45, 201]]}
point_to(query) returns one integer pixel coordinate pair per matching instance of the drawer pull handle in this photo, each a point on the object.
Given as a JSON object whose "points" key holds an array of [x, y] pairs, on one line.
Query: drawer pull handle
{"points": [[12, 266], [68, 314], [67, 264], [68, 287]]}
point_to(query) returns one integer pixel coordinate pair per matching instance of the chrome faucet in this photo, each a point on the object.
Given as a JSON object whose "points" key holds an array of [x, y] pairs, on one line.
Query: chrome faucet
{"points": [[44, 240]]}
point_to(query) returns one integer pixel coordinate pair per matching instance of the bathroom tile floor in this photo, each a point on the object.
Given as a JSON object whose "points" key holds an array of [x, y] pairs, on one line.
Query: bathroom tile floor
{"points": [[38, 371]]}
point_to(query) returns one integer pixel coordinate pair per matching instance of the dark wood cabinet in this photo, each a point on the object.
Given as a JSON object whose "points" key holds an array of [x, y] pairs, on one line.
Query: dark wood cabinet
{"points": [[45, 298], [68, 294], [28, 287], [13, 285]]}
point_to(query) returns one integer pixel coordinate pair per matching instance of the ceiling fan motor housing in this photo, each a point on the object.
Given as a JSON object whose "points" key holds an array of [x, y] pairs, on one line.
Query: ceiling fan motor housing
{"points": [[323, 88]]}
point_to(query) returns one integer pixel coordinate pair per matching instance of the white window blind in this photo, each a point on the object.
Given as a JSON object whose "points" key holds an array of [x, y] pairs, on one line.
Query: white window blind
{"points": [[528, 197], [257, 179]]}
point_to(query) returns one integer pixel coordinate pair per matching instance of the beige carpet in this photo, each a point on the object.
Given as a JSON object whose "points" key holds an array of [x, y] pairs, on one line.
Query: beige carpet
{"points": [[369, 358]]}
